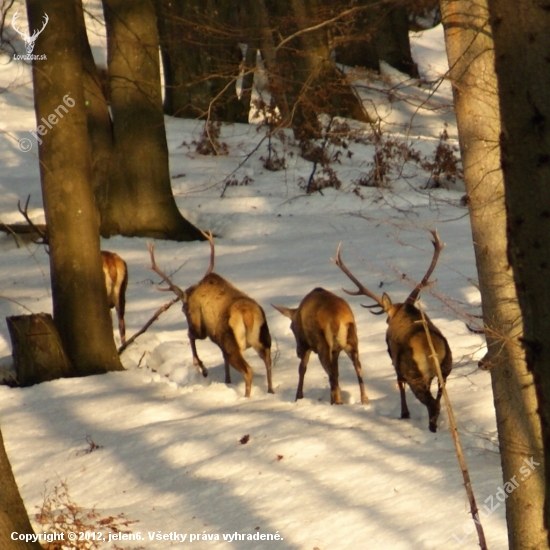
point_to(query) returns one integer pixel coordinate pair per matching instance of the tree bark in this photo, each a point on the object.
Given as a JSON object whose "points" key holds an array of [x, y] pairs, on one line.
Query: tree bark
{"points": [[379, 32], [105, 170], [522, 45], [38, 354], [80, 309], [303, 67], [471, 59], [13, 515], [202, 59], [141, 202]]}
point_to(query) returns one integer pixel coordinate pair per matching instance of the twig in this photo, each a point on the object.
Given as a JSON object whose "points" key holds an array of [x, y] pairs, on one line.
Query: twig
{"points": [[454, 432], [157, 314], [10, 231], [42, 231]]}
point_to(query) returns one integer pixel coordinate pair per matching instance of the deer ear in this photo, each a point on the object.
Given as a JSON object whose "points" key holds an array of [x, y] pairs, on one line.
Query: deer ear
{"points": [[286, 311], [386, 302]]}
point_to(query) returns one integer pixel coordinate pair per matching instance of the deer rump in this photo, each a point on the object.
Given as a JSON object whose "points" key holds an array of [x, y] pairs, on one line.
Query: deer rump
{"points": [[214, 308], [116, 281]]}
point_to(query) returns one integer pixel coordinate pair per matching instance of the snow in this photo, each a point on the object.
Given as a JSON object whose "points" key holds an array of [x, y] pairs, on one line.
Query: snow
{"points": [[171, 448]]}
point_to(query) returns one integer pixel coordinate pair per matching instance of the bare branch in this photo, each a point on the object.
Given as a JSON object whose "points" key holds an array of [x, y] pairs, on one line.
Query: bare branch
{"points": [[157, 314], [41, 231]]}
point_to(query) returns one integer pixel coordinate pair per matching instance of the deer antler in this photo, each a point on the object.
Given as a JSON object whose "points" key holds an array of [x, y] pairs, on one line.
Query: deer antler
{"points": [[438, 247], [210, 238], [175, 289], [362, 290]]}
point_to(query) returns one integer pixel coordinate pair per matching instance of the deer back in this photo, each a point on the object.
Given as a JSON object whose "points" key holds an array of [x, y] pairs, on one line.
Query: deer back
{"points": [[322, 314], [406, 338], [214, 304]]}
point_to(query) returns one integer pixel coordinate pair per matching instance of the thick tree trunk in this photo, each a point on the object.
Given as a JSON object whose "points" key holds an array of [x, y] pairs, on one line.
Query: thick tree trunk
{"points": [[201, 59], [141, 202], [315, 85], [522, 46], [13, 515], [105, 170], [80, 309], [38, 354], [380, 32], [471, 58]]}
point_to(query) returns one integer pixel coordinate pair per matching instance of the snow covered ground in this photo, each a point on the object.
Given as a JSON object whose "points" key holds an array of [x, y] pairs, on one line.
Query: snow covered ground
{"points": [[184, 455]]}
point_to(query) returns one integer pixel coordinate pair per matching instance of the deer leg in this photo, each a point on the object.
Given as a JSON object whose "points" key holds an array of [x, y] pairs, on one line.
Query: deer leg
{"points": [[301, 373], [121, 327], [263, 349], [423, 394], [354, 356], [120, 309], [196, 361], [329, 360], [227, 369], [265, 356], [335, 397], [232, 356], [404, 409]]}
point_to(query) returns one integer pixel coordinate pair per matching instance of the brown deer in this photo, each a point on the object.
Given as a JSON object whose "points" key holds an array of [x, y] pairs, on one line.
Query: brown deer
{"points": [[324, 323], [214, 308], [407, 342], [116, 281]]}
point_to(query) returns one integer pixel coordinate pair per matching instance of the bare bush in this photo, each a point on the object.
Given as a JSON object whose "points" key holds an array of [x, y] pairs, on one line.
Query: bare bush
{"points": [[59, 514]]}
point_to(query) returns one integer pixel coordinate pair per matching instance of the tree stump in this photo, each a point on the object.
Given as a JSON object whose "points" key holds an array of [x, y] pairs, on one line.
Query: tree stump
{"points": [[38, 353]]}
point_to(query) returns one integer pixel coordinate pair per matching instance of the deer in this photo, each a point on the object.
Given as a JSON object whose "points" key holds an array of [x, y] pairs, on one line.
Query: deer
{"points": [[217, 310], [29, 40], [116, 281], [407, 342], [324, 323]]}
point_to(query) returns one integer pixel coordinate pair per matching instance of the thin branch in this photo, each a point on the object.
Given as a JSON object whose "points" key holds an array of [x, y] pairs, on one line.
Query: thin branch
{"points": [[327, 22], [156, 315], [454, 432]]}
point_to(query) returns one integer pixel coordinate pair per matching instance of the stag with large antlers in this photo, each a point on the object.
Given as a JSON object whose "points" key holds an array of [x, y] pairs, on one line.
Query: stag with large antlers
{"points": [[214, 308], [324, 323], [407, 342], [29, 40]]}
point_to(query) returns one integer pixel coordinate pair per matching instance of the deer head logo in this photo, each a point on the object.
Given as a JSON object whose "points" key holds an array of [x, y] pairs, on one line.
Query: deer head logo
{"points": [[29, 40]]}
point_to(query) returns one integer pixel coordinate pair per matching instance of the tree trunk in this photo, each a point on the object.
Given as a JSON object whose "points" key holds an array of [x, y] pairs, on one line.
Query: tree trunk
{"points": [[13, 515], [471, 58], [315, 85], [522, 46], [106, 171], [201, 59], [141, 202], [380, 32], [38, 354], [80, 309]]}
